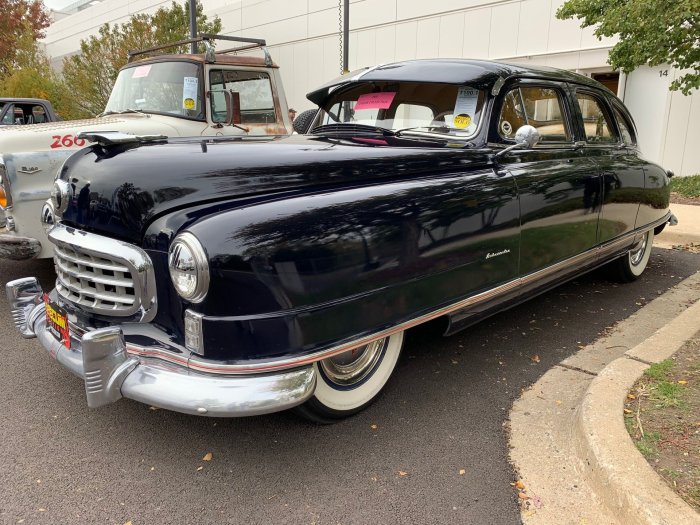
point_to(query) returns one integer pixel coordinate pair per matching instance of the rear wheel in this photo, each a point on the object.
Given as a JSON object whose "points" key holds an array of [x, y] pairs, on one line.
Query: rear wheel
{"points": [[630, 266], [348, 382]]}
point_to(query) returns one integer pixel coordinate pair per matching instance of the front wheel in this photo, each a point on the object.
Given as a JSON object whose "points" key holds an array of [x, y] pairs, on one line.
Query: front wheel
{"points": [[349, 382], [630, 266]]}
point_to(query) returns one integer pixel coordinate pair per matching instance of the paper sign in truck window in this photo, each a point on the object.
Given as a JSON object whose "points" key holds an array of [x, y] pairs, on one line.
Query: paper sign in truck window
{"points": [[189, 93]]}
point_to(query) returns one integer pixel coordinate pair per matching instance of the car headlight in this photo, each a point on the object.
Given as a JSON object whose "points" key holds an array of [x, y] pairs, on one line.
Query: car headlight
{"points": [[189, 269]]}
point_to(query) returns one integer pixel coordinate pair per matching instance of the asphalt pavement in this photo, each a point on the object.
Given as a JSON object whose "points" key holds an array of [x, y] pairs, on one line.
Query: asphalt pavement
{"points": [[444, 411]]}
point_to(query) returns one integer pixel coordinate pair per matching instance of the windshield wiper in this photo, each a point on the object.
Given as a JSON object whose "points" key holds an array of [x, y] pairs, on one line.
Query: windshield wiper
{"points": [[127, 110], [398, 132]]}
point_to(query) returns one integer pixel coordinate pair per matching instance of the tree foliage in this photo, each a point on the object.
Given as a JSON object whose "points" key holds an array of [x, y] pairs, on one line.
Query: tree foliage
{"points": [[650, 32], [90, 74], [20, 20]]}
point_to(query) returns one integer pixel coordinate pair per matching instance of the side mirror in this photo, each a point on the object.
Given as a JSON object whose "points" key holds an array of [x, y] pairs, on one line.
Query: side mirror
{"points": [[526, 137], [233, 107]]}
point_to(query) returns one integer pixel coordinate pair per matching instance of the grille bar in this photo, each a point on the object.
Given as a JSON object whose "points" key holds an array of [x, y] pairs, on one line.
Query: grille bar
{"points": [[95, 278], [95, 263]]}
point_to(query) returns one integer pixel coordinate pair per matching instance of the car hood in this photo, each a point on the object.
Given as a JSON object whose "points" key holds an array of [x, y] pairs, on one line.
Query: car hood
{"points": [[60, 135], [120, 190]]}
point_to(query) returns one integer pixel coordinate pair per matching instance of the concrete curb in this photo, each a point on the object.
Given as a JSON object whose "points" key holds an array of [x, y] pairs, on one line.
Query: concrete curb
{"points": [[620, 476]]}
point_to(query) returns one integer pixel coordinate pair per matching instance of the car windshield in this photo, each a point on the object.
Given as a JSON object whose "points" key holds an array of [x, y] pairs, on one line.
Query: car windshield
{"points": [[173, 88], [446, 109]]}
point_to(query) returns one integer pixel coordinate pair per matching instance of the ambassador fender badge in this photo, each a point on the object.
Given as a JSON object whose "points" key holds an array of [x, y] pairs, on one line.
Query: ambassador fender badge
{"points": [[29, 170], [490, 255]]}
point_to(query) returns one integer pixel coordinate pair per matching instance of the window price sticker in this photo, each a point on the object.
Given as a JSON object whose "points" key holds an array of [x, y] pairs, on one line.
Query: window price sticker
{"points": [[465, 107], [189, 92]]}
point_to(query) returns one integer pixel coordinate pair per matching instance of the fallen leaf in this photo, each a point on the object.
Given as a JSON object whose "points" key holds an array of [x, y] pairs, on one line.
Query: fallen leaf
{"points": [[558, 402], [522, 495], [207, 456], [42, 510], [631, 396], [519, 484], [535, 358], [199, 468], [402, 473], [153, 408], [627, 411], [462, 472], [682, 382], [374, 426]]}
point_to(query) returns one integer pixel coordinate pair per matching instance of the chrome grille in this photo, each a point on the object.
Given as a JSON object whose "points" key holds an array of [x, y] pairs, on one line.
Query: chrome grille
{"points": [[102, 275], [95, 282]]}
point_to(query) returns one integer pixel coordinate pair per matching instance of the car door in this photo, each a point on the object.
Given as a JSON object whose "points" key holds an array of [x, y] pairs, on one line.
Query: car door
{"points": [[559, 188], [621, 170]]}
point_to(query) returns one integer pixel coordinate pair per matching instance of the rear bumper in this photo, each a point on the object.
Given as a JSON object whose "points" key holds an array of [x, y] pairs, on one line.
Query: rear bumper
{"points": [[101, 359]]}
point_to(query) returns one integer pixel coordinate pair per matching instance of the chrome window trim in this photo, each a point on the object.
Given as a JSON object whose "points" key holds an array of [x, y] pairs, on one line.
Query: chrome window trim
{"points": [[135, 259]]}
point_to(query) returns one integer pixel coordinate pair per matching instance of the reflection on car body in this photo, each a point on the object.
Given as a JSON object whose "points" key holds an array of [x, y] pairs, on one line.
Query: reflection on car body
{"points": [[230, 278]]}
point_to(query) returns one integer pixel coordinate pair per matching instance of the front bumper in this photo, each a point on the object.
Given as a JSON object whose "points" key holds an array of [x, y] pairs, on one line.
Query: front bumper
{"points": [[16, 247], [101, 359]]}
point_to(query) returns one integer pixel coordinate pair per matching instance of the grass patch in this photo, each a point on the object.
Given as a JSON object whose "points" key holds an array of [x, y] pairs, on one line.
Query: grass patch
{"points": [[659, 371], [668, 394], [686, 186], [648, 445]]}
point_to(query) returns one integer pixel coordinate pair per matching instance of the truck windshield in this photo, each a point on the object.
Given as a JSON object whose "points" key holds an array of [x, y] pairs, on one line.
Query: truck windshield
{"points": [[173, 88]]}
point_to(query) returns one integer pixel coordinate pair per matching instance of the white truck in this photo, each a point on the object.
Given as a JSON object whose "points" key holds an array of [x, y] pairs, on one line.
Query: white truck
{"points": [[214, 94]]}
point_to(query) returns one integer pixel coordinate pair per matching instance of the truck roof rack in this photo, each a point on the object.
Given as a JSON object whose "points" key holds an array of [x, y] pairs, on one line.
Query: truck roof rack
{"points": [[210, 53]]}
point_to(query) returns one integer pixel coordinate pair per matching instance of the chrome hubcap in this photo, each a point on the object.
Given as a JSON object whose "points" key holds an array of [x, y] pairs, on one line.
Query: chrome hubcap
{"points": [[637, 254], [353, 366]]}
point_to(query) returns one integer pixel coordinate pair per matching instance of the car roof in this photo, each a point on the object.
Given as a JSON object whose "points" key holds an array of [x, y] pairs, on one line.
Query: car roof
{"points": [[479, 73], [23, 100]]}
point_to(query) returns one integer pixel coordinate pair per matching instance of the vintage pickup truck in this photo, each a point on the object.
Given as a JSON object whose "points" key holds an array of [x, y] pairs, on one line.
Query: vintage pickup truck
{"points": [[23, 111], [238, 277], [212, 94]]}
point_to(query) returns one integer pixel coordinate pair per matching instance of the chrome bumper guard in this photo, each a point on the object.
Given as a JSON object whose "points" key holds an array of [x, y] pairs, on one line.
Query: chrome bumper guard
{"points": [[102, 361]]}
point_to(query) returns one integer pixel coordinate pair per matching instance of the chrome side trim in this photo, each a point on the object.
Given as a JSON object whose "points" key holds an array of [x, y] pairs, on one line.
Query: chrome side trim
{"points": [[598, 252], [114, 256]]}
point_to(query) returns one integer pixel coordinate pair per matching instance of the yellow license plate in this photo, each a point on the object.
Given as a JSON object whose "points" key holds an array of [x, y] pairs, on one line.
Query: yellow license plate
{"points": [[57, 322]]}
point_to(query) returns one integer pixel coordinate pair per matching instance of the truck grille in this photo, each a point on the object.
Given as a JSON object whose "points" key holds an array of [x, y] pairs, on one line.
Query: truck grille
{"points": [[102, 275]]}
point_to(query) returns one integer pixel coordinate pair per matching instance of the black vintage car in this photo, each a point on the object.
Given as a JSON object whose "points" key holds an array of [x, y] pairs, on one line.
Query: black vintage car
{"points": [[243, 276]]}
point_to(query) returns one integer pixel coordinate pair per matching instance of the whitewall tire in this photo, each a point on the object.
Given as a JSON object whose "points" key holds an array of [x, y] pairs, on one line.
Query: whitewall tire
{"points": [[349, 382]]}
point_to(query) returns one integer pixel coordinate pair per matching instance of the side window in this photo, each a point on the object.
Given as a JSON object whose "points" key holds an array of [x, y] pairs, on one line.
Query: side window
{"points": [[626, 129], [251, 89], [596, 121], [9, 117], [537, 106]]}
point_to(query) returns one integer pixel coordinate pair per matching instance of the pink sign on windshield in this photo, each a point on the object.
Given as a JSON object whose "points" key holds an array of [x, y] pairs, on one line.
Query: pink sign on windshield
{"points": [[375, 100], [141, 71]]}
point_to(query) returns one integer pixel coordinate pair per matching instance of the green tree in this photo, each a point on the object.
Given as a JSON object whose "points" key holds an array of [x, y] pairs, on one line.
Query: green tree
{"points": [[90, 75], [20, 21], [650, 32], [30, 75]]}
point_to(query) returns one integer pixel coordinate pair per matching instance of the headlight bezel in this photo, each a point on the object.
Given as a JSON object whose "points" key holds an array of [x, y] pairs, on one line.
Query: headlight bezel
{"points": [[200, 262]]}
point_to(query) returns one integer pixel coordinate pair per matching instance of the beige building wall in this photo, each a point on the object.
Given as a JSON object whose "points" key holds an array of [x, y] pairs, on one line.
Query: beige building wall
{"points": [[302, 36]]}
